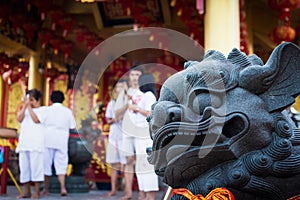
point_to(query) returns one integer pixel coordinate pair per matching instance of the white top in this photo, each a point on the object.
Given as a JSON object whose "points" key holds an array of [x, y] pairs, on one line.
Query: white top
{"points": [[136, 97], [148, 99], [121, 100], [115, 130], [32, 134], [128, 125], [58, 123]]}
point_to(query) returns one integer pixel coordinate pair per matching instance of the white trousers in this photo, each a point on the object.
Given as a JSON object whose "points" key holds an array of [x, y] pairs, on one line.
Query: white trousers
{"points": [[128, 145], [114, 153], [60, 160], [146, 177], [31, 166]]}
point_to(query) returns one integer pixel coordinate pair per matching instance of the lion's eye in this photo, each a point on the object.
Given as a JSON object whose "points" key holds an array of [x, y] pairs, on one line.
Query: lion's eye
{"points": [[203, 100], [200, 102], [222, 74]]}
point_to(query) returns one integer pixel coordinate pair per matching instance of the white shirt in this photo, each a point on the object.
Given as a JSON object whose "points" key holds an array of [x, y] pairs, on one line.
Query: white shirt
{"points": [[32, 134], [128, 125], [121, 100], [58, 122], [147, 100], [115, 130], [136, 97]]}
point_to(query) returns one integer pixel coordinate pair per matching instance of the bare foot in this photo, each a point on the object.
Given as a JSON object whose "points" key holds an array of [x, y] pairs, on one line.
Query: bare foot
{"points": [[141, 195], [126, 198], [110, 194], [63, 192], [24, 196], [35, 196], [45, 193]]}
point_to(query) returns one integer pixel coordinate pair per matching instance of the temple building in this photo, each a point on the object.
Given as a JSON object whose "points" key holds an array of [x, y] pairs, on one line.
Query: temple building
{"points": [[82, 47]]}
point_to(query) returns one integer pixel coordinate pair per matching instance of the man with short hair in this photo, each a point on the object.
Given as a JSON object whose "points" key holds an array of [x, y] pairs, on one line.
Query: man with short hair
{"points": [[59, 120]]}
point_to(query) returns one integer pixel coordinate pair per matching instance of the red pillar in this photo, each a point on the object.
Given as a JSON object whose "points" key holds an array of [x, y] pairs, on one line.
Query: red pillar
{"points": [[4, 170], [4, 104]]}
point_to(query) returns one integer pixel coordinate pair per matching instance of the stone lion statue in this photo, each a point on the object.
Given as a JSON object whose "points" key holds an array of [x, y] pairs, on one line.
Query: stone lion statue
{"points": [[221, 122]]}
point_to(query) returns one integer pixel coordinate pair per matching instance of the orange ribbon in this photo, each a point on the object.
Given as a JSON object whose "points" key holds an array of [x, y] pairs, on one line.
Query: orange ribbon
{"points": [[295, 197], [216, 194]]}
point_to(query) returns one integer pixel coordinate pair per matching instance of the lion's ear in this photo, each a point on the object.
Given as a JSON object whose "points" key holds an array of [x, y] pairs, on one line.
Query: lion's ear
{"points": [[278, 81]]}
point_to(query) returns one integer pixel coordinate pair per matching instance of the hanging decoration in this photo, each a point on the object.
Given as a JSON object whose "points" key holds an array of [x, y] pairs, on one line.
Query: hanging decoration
{"points": [[51, 73], [55, 15], [145, 14], [20, 71], [43, 7], [56, 42], [30, 28], [66, 22], [279, 5], [200, 6], [91, 40], [84, 35], [45, 36], [80, 31], [22, 67], [17, 21], [283, 32], [67, 47], [6, 76], [119, 65], [11, 69], [244, 44], [191, 17], [51, 28]]}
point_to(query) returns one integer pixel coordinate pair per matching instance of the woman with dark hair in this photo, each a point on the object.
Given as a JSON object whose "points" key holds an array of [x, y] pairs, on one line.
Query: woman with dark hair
{"points": [[147, 179], [148, 84], [31, 142]]}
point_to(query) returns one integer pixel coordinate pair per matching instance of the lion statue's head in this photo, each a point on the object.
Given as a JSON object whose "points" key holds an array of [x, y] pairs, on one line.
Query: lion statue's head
{"points": [[221, 122]]}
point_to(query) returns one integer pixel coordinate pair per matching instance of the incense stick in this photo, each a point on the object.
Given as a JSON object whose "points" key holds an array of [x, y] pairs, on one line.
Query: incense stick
{"points": [[168, 193]]}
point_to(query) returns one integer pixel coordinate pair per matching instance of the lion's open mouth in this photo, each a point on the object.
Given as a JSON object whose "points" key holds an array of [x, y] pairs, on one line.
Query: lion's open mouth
{"points": [[180, 139]]}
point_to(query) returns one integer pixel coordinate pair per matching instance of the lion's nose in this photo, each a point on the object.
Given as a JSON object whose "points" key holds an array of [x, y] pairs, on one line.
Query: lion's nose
{"points": [[164, 113]]}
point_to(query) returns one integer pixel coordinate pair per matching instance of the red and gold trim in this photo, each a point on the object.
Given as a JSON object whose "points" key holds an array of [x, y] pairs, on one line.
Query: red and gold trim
{"points": [[216, 194]]}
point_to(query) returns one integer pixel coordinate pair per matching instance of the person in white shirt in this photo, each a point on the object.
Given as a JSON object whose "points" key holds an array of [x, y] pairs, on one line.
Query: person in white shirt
{"points": [[146, 177], [31, 143], [114, 155], [131, 96], [58, 122]]}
